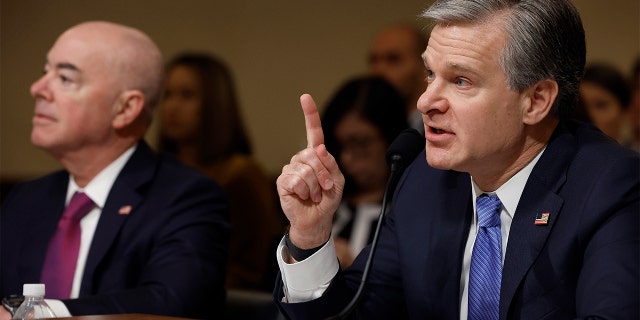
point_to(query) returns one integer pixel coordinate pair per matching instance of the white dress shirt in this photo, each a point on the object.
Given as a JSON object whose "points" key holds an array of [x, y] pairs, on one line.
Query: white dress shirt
{"points": [[308, 279], [98, 190]]}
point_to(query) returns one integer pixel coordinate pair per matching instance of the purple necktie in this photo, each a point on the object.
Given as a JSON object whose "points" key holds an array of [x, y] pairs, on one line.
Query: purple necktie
{"points": [[62, 255]]}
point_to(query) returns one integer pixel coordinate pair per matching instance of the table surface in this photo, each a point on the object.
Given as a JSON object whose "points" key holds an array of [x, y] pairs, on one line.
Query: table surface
{"points": [[133, 316]]}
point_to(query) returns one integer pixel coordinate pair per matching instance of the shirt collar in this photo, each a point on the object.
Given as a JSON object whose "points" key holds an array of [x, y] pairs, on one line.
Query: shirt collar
{"points": [[511, 191], [98, 188]]}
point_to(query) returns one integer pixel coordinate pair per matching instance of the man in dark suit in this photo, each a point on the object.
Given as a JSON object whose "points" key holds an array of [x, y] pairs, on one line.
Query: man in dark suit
{"points": [[155, 233], [518, 212]]}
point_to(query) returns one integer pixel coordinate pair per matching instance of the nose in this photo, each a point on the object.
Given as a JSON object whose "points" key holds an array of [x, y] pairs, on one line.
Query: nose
{"points": [[40, 88], [433, 98], [376, 69]]}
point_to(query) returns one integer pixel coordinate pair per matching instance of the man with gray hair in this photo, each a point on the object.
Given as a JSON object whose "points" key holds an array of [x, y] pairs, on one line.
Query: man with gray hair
{"points": [[518, 211], [120, 230]]}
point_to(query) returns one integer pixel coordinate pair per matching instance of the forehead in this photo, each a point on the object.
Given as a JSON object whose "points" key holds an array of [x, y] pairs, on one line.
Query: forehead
{"points": [[394, 40], [87, 53], [182, 75], [465, 43], [352, 122]]}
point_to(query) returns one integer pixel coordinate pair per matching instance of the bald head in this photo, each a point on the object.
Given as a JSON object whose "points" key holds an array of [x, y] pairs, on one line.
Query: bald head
{"points": [[131, 59], [395, 55], [402, 35]]}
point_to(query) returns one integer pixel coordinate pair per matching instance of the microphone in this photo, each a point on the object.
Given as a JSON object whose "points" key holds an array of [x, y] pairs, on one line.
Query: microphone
{"points": [[402, 151]]}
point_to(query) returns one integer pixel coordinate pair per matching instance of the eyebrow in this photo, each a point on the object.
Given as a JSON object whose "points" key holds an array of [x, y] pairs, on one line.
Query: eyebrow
{"points": [[66, 65], [459, 67], [452, 65], [424, 61]]}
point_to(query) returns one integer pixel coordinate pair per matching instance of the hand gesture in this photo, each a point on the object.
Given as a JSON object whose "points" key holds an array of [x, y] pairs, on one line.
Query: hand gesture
{"points": [[310, 186]]}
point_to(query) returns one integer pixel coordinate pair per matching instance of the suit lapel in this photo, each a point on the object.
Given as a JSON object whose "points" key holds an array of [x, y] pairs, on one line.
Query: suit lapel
{"points": [[526, 238], [455, 221], [45, 214], [434, 229], [123, 200]]}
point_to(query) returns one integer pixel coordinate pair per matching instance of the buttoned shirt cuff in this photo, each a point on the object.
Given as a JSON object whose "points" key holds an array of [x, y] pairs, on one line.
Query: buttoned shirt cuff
{"points": [[58, 307], [307, 279]]}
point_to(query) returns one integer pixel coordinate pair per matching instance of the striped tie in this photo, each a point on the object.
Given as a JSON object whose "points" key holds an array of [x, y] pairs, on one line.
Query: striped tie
{"points": [[486, 261]]}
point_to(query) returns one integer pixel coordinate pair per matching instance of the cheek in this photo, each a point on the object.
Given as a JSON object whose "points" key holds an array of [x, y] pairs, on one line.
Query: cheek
{"points": [[191, 113], [185, 113], [494, 127]]}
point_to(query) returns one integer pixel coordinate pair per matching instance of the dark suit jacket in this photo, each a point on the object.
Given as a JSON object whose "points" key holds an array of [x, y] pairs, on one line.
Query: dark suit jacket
{"points": [[168, 256], [584, 262]]}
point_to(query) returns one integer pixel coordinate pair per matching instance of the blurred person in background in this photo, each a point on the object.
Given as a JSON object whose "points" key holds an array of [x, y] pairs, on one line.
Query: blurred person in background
{"points": [[633, 112], [395, 55], [604, 98], [361, 120], [201, 124]]}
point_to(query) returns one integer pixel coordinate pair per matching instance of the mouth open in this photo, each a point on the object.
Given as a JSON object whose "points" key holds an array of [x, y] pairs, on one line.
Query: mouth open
{"points": [[437, 130]]}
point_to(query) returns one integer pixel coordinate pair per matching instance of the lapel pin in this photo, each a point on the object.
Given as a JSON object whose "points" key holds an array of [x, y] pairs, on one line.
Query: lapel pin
{"points": [[124, 210], [543, 219]]}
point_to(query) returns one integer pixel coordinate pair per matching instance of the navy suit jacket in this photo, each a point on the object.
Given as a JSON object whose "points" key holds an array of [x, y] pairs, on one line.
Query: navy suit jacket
{"points": [[167, 256], [584, 262]]}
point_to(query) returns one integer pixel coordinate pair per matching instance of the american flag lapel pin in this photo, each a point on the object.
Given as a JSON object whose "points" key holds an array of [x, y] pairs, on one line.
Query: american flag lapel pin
{"points": [[124, 210], [542, 219]]}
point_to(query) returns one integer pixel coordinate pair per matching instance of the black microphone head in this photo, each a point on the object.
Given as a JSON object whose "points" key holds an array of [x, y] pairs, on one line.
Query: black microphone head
{"points": [[405, 147]]}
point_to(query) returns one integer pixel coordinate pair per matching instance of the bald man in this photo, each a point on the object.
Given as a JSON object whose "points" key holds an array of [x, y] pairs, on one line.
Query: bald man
{"points": [[154, 235], [395, 55]]}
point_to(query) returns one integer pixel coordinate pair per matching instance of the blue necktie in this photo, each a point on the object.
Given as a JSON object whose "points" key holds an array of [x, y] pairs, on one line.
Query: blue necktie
{"points": [[486, 261]]}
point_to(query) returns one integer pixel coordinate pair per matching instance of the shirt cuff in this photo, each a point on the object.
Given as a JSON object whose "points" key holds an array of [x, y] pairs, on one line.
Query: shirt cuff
{"points": [[58, 307], [308, 279]]}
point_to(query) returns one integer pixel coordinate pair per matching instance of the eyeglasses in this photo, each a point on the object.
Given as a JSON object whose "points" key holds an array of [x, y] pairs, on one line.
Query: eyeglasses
{"points": [[358, 146]]}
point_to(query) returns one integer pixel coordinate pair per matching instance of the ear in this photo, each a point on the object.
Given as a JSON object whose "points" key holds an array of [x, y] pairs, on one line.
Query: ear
{"points": [[128, 108], [538, 101]]}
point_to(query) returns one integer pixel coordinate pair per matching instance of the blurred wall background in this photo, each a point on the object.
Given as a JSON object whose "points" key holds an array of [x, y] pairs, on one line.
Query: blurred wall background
{"points": [[276, 49]]}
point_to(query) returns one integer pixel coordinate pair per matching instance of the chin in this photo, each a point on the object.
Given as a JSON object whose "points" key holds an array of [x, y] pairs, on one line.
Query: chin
{"points": [[439, 161]]}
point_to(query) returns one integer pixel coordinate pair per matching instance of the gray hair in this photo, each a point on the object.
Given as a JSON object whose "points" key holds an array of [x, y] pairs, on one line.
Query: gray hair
{"points": [[545, 40]]}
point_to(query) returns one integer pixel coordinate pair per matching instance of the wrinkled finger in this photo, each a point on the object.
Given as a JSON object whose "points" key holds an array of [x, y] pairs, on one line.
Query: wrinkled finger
{"points": [[301, 180], [288, 185], [331, 174], [311, 158], [315, 136]]}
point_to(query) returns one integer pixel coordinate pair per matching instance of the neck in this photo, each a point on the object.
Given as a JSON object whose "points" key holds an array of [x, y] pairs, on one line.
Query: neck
{"points": [[494, 175], [86, 164], [188, 154]]}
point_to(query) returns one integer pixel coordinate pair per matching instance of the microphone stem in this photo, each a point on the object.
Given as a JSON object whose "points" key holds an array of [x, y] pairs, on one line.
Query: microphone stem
{"points": [[388, 191]]}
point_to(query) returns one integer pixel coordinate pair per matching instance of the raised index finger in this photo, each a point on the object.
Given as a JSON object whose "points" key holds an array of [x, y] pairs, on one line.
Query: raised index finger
{"points": [[315, 136]]}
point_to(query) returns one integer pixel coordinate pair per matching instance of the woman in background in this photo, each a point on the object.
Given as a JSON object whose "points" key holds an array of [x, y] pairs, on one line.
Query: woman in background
{"points": [[360, 122], [202, 126], [604, 98], [633, 112]]}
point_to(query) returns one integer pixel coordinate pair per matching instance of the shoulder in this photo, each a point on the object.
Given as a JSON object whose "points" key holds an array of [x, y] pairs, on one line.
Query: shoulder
{"points": [[150, 174], [590, 170], [596, 153], [40, 186], [172, 172]]}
